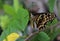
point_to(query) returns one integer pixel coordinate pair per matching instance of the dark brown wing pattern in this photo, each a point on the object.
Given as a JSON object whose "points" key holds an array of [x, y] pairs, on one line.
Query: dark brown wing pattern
{"points": [[42, 19]]}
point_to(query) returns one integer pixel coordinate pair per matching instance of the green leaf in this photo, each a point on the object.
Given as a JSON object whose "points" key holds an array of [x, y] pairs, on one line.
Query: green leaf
{"points": [[23, 17], [20, 39], [55, 33], [8, 31], [4, 21], [9, 10], [41, 36], [1, 4], [51, 5], [17, 23], [52, 34]]}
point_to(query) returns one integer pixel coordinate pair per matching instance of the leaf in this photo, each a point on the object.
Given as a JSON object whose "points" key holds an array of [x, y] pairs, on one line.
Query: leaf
{"points": [[41, 36], [8, 31], [1, 4], [51, 5], [20, 39], [17, 23], [55, 33], [23, 17], [9, 10], [4, 21]]}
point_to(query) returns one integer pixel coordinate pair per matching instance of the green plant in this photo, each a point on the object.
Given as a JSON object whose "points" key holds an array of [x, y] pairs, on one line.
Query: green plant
{"points": [[1, 4], [16, 19]]}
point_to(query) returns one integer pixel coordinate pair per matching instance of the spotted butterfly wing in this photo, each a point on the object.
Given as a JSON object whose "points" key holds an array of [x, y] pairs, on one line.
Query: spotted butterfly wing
{"points": [[42, 19]]}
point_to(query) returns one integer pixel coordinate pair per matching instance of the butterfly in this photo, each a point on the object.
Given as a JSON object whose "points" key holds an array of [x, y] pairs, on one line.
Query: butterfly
{"points": [[42, 19]]}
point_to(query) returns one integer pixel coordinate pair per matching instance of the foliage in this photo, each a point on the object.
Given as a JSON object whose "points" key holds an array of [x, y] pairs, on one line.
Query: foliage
{"points": [[51, 5], [16, 19], [20, 39], [4, 20], [1, 4], [41, 36]]}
